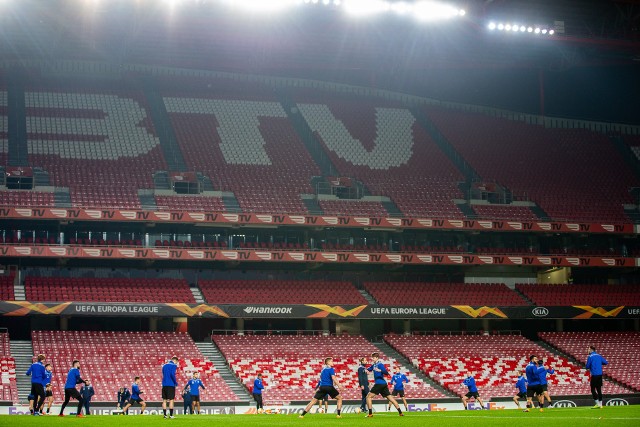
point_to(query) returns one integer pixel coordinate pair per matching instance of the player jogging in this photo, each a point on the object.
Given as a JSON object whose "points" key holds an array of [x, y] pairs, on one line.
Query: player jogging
{"points": [[136, 391], [195, 384], [397, 381], [258, 386], [328, 385], [543, 380], [169, 384], [380, 386], [37, 373], [70, 390], [534, 387], [470, 382], [521, 385], [595, 362]]}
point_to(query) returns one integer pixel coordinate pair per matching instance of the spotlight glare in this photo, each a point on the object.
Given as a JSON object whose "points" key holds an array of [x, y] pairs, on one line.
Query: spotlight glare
{"points": [[537, 31], [551, 32], [401, 7], [314, 1], [430, 11], [544, 31], [507, 27], [262, 5], [500, 27], [491, 26], [366, 7], [530, 30], [326, 2], [462, 12], [522, 29]]}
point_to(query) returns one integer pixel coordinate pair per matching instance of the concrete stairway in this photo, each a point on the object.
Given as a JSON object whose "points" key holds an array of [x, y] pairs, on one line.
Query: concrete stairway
{"points": [[212, 353], [22, 352]]}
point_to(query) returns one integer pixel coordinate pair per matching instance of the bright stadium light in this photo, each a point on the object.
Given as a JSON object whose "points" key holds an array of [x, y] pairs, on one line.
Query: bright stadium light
{"points": [[551, 32], [365, 7], [326, 2], [262, 5], [522, 28], [491, 26], [530, 30], [401, 7], [507, 27], [500, 26], [431, 11], [544, 31], [537, 31]]}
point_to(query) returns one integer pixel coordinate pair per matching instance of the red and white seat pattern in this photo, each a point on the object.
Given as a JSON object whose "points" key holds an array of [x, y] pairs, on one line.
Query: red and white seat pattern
{"points": [[494, 360], [434, 294], [190, 203], [291, 364], [112, 359], [107, 289], [101, 144], [581, 294], [621, 349], [520, 213], [578, 174], [245, 143], [8, 386], [280, 292], [352, 207], [26, 198], [382, 145]]}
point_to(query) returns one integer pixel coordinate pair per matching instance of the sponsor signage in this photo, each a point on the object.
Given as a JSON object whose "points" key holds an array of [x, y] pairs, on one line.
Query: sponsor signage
{"points": [[145, 216], [310, 311], [298, 256], [540, 312]]}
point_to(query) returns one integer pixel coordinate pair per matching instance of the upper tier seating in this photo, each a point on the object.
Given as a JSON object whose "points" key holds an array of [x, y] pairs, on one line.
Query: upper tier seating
{"points": [[621, 349], [571, 174], [521, 213], [107, 289], [352, 207], [112, 359], [22, 199], [190, 203], [100, 143], [280, 292], [576, 294], [240, 136], [495, 362], [383, 146], [291, 364], [430, 294]]}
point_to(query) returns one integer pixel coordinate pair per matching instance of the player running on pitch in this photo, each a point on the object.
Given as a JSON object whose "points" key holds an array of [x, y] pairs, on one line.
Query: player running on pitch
{"points": [[398, 381], [379, 385], [470, 382], [521, 385]]}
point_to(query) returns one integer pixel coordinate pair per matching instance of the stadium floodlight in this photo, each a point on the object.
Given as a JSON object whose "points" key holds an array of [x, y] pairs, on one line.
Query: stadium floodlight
{"points": [[366, 7], [262, 5], [507, 27], [523, 28], [462, 12], [337, 2], [551, 32], [544, 31], [530, 30], [500, 26], [432, 11], [401, 7], [537, 31], [491, 26], [326, 2]]}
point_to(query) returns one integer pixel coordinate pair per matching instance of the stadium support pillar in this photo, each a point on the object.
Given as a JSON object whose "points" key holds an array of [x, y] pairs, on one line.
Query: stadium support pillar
{"points": [[153, 324], [240, 326], [325, 326], [559, 325], [407, 327], [64, 323], [485, 325], [636, 325]]}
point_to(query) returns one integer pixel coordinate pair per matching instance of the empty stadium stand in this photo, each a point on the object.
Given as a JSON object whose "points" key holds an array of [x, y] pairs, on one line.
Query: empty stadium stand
{"points": [[8, 386], [621, 349], [113, 359], [26, 198], [495, 361], [581, 294], [241, 138], [521, 213], [572, 174], [429, 294], [280, 292], [99, 143], [381, 145], [107, 289], [190, 203], [291, 363], [352, 207], [6, 290]]}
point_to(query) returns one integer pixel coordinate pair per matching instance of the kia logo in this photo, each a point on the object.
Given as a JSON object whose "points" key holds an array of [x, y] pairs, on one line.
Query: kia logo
{"points": [[564, 403], [617, 402], [540, 312]]}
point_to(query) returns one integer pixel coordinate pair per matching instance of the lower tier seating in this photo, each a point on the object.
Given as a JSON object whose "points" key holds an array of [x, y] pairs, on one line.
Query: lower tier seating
{"points": [[429, 294], [280, 292], [190, 203], [112, 359], [107, 289], [495, 361], [581, 294], [621, 349], [8, 386], [291, 364]]}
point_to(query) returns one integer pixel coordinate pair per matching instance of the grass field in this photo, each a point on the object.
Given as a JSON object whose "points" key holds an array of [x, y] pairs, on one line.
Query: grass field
{"points": [[583, 417]]}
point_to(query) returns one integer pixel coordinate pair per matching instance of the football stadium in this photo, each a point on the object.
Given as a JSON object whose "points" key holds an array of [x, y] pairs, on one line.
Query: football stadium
{"points": [[276, 212]]}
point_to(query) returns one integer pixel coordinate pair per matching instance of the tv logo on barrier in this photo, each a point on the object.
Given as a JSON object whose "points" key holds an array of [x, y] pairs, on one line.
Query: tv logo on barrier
{"points": [[540, 312], [617, 402], [565, 404]]}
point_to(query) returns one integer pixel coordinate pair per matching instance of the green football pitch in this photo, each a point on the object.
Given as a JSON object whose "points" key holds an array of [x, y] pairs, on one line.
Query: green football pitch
{"points": [[583, 417]]}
